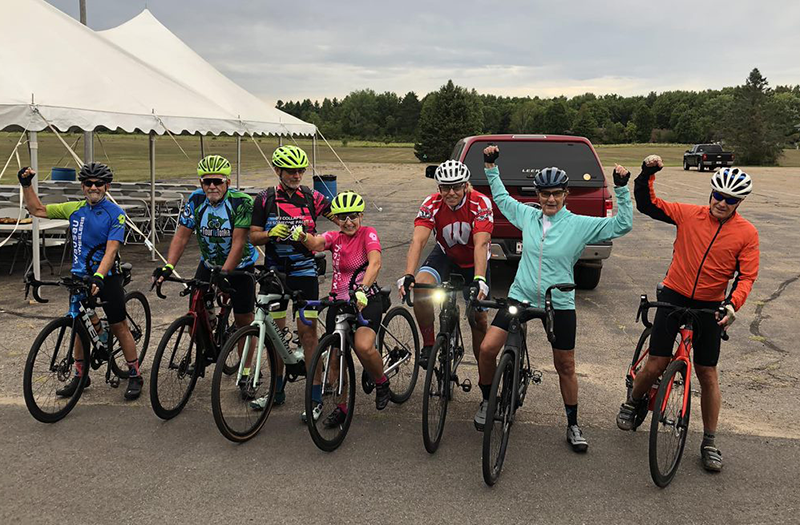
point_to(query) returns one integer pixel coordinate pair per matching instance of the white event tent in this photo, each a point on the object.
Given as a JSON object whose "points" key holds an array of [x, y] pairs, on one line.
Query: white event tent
{"points": [[60, 74]]}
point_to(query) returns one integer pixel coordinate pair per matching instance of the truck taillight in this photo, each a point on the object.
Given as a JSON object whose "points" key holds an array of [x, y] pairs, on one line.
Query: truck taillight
{"points": [[705, 157], [609, 208]]}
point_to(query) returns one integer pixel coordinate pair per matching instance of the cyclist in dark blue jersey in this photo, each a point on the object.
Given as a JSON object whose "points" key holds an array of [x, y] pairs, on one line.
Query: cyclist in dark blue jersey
{"points": [[97, 226]]}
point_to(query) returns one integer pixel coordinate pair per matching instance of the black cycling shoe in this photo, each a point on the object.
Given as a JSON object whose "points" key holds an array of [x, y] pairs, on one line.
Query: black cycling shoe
{"points": [[382, 395], [134, 389], [424, 354], [69, 389], [335, 418]]}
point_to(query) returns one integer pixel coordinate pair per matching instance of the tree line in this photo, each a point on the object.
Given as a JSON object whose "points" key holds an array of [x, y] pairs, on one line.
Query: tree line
{"points": [[755, 120]]}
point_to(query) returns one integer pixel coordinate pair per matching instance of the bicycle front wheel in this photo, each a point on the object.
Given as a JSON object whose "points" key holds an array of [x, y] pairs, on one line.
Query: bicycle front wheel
{"points": [[231, 400], [435, 395], [175, 369], [670, 424], [398, 344], [499, 418], [329, 418], [49, 369], [137, 315]]}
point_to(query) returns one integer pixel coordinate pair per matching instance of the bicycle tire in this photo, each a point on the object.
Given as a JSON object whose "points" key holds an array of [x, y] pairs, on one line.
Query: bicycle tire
{"points": [[234, 417], [499, 419], [437, 377], [325, 357], [224, 330], [63, 373], [140, 323], [179, 361], [668, 428], [394, 345]]}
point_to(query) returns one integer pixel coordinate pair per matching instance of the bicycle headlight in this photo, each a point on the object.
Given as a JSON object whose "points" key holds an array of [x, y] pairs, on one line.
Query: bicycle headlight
{"points": [[439, 296], [513, 310]]}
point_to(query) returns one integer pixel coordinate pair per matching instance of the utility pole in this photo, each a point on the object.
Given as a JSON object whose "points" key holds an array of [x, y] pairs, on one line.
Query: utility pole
{"points": [[88, 136]]}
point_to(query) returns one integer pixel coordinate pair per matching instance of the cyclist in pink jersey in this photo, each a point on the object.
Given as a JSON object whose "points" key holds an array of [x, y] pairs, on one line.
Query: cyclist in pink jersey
{"points": [[356, 255]]}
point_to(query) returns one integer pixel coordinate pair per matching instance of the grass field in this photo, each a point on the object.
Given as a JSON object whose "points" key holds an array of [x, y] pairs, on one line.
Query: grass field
{"points": [[128, 154]]}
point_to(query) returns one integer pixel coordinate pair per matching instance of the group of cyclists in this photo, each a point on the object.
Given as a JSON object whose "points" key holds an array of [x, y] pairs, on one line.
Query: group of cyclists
{"points": [[714, 245]]}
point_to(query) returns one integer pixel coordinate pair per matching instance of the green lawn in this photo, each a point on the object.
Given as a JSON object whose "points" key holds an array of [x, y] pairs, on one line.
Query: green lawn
{"points": [[128, 154]]}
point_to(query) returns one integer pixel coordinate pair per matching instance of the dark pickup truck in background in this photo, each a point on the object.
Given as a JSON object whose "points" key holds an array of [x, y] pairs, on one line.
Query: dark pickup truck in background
{"points": [[707, 156], [521, 158]]}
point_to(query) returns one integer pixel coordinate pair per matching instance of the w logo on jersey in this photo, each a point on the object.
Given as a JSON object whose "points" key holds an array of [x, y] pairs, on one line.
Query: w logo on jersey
{"points": [[456, 233]]}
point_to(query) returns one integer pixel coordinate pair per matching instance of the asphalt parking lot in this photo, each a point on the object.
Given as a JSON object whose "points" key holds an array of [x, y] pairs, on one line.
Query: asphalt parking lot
{"points": [[113, 460]]}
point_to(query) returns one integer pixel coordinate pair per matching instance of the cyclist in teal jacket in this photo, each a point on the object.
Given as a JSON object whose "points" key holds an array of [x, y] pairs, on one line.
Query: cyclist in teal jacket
{"points": [[553, 239]]}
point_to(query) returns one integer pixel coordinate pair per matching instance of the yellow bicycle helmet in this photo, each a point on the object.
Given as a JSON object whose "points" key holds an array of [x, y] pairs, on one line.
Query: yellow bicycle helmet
{"points": [[214, 165], [347, 202], [290, 157]]}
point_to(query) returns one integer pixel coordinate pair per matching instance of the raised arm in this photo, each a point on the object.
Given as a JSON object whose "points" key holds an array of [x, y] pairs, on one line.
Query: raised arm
{"points": [[598, 229], [514, 211], [645, 194]]}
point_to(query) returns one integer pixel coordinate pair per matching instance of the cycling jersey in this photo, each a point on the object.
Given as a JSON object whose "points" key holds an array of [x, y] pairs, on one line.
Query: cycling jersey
{"points": [[91, 226], [549, 257], [214, 225], [292, 208], [350, 262], [454, 229], [707, 253]]}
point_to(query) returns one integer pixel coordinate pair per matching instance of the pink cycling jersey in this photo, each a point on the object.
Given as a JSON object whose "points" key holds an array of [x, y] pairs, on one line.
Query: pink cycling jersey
{"points": [[349, 256]]}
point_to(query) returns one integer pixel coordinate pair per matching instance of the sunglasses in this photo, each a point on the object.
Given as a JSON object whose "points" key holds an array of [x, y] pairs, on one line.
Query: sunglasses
{"points": [[557, 194], [294, 171], [95, 183], [728, 200], [344, 217], [451, 187], [215, 182]]}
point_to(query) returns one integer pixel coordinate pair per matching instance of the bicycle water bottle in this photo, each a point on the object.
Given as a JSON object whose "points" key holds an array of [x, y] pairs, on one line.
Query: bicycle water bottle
{"points": [[103, 335]]}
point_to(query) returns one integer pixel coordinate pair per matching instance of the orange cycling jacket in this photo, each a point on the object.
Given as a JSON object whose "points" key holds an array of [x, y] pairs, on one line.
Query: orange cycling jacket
{"points": [[707, 253]]}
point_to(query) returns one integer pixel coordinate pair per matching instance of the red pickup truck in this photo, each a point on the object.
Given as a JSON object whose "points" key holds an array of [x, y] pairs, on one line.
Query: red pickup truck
{"points": [[521, 157]]}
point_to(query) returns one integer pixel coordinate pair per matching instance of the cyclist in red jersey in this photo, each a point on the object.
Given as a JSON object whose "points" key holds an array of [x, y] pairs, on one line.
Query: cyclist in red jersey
{"points": [[714, 244], [462, 221]]}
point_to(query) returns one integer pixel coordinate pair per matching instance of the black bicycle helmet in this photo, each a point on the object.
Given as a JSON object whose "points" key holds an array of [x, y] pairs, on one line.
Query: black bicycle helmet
{"points": [[551, 178], [96, 170]]}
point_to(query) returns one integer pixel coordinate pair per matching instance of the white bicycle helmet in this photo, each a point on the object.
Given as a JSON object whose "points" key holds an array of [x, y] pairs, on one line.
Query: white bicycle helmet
{"points": [[733, 182], [451, 172]]}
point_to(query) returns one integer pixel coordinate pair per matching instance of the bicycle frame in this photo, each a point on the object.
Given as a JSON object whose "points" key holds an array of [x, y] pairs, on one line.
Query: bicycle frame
{"points": [[344, 330]]}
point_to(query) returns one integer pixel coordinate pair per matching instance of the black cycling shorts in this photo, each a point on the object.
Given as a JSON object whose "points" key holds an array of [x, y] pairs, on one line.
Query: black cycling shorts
{"points": [[706, 336], [372, 314], [565, 323], [243, 296], [440, 266], [113, 295], [309, 286]]}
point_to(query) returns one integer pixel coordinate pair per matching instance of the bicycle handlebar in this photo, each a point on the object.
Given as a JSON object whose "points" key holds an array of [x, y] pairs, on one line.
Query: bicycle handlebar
{"points": [[455, 284], [216, 274], [645, 305], [331, 303], [75, 284]]}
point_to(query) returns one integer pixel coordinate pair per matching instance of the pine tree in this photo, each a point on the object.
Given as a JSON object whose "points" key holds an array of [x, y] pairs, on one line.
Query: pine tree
{"points": [[447, 115]]}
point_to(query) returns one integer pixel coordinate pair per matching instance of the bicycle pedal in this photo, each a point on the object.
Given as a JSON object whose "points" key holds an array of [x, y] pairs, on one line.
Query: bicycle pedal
{"points": [[536, 377], [466, 386], [114, 382]]}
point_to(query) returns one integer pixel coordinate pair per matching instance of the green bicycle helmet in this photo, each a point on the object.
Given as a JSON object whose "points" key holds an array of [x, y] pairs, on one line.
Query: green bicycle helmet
{"points": [[214, 164], [347, 202], [290, 157]]}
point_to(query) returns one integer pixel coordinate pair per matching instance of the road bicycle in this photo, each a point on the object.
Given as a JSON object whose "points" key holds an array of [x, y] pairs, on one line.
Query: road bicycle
{"points": [[191, 343], [51, 360], [513, 375], [670, 397]]}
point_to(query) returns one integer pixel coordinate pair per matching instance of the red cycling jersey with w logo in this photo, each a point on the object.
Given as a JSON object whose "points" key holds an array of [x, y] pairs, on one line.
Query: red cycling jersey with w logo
{"points": [[454, 228]]}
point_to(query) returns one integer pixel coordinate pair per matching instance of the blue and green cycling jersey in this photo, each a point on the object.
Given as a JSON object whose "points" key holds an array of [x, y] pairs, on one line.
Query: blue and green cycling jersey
{"points": [[91, 226], [549, 254], [214, 225]]}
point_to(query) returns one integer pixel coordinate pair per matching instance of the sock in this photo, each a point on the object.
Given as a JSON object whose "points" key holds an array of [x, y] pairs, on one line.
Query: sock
{"points": [[133, 367], [78, 368], [245, 371], [382, 380], [316, 393], [572, 414], [279, 384], [708, 438], [342, 407], [428, 335], [485, 390]]}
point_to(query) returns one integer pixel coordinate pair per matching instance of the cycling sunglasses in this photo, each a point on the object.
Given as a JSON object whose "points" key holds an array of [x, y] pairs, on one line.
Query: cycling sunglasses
{"points": [[95, 183], [344, 217], [294, 171], [209, 182], [451, 187], [728, 200], [545, 194]]}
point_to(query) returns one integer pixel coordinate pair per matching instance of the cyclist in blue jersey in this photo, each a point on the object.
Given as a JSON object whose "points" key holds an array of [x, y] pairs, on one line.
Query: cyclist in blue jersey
{"points": [[220, 217], [97, 226], [279, 209], [553, 239]]}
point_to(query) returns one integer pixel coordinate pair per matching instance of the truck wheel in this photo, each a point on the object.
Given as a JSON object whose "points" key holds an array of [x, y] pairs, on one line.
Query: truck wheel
{"points": [[587, 277], [685, 165], [700, 166]]}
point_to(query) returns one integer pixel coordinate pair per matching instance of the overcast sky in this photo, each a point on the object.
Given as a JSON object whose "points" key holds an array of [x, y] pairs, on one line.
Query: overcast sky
{"points": [[313, 49]]}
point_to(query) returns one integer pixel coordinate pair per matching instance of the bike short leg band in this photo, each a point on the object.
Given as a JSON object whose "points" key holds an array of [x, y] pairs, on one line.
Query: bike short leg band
{"points": [[278, 315], [431, 271]]}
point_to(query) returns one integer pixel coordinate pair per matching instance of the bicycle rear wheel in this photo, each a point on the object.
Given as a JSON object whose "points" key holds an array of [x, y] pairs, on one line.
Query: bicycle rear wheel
{"points": [[435, 395], [499, 418], [230, 400], [175, 369], [669, 426], [49, 367], [338, 392], [137, 314], [398, 342]]}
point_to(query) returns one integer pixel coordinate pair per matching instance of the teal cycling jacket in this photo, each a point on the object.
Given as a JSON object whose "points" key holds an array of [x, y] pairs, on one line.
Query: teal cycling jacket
{"points": [[549, 259]]}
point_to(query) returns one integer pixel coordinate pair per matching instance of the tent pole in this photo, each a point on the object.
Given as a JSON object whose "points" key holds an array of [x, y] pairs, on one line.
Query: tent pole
{"points": [[153, 195], [238, 159], [202, 147], [33, 143], [314, 154]]}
